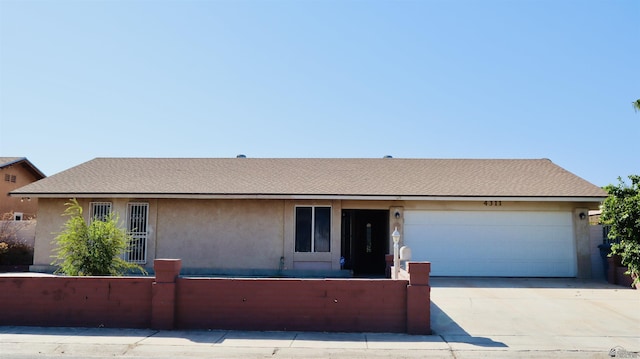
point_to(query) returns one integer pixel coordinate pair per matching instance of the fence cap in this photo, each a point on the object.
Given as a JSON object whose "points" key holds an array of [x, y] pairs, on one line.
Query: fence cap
{"points": [[419, 272], [167, 269]]}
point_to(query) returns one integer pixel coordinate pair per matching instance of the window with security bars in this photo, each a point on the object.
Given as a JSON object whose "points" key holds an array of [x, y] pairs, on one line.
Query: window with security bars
{"points": [[137, 218], [100, 211]]}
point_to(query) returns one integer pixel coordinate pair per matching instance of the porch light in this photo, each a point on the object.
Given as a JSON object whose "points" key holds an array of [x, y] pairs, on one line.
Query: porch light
{"points": [[396, 255], [396, 236]]}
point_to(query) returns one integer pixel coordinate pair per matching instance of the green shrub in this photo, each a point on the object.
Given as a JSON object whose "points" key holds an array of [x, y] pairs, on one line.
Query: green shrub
{"points": [[621, 211], [91, 249]]}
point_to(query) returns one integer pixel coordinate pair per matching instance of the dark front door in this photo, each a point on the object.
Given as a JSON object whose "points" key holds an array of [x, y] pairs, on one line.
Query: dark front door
{"points": [[365, 240]]}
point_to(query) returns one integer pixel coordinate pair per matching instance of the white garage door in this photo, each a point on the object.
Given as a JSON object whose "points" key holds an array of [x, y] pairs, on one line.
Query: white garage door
{"points": [[499, 244]]}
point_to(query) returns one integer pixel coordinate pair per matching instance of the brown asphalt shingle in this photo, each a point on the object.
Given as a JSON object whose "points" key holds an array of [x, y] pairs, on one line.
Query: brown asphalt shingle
{"points": [[173, 177], [7, 162], [4, 161]]}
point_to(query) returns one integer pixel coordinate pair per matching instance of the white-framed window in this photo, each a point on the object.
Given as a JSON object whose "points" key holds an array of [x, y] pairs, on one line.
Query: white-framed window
{"points": [[313, 229], [137, 226], [100, 211], [18, 216]]}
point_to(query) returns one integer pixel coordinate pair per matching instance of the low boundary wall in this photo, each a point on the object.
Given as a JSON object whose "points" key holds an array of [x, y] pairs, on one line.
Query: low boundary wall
{"points": [[172, 302], [75, 301]]}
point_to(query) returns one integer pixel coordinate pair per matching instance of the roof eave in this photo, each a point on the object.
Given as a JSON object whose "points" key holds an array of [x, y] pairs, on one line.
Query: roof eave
{"points": [[31, 166], [293, 196]]}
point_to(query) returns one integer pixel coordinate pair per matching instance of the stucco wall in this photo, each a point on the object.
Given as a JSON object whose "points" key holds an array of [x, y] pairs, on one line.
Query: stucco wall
{"points": [[218, 235], [221, 233], [19, 231], [50, 222], [28, 206]]}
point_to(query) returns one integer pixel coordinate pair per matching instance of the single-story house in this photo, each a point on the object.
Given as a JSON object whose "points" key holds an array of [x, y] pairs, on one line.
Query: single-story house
{"points": [[262, 216]]}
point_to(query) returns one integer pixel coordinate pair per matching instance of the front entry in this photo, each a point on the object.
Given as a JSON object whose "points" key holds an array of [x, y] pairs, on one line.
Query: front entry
{"points": [[365, 241]]}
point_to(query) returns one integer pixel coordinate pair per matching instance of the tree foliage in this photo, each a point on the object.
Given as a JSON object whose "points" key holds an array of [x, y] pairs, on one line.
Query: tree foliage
{"points": [[91, 249], [636, 105], [621, 211]]}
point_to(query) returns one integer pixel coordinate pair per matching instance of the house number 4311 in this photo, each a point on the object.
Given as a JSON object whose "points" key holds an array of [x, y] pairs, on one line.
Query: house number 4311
{"points": [[493, 203]]}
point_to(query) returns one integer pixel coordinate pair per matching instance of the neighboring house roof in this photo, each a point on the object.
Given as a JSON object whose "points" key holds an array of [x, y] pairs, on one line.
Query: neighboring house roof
{"points": [[388, 178], [14, 161]]}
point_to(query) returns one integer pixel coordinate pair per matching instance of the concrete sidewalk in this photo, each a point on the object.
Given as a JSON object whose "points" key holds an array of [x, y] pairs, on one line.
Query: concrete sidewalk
{"points": [[35, 342], [471, 318], [102, 342]]}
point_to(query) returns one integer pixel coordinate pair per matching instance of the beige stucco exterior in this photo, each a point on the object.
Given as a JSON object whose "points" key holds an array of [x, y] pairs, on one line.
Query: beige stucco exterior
{"points": [[257, 235], [230, 234]]}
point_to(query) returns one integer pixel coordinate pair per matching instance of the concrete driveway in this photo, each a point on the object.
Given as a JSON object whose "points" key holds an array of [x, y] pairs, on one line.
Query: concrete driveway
{"points": [[496, 314]]}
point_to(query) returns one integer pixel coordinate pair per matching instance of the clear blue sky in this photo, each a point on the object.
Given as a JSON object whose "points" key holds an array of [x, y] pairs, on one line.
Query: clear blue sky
{"points": [[415, 79]]}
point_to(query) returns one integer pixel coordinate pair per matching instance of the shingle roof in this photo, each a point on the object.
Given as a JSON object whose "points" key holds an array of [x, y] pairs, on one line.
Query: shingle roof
{"points": [[8, 161], [386, 177], [12, 161]]}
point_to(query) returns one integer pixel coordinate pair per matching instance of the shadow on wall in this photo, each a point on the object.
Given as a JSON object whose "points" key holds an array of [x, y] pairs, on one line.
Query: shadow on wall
{"points": [[444, 326]]}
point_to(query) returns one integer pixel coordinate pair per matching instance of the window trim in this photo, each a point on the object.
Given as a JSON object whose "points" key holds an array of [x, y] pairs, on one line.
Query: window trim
{"points": [[313, 224]]}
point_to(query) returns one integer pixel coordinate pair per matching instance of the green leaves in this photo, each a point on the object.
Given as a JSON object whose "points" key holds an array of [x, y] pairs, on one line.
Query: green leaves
{"points": [[91, 249], [621, 211]]}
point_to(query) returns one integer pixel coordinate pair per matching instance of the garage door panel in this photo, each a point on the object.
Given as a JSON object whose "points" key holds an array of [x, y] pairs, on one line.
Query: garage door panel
{"points": [[468, 218], [492, 244]]}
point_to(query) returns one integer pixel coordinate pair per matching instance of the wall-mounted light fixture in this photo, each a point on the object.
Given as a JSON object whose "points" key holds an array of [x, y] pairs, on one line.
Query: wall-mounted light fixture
{"points": [[582, 215], [27, 198], [397, 214]]}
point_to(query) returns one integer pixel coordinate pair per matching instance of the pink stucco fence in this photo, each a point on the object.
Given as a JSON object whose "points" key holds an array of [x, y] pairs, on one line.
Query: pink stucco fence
{"points": [[172, 302]]}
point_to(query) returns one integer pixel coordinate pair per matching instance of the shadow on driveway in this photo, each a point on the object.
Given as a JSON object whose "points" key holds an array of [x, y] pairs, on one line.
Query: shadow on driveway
{"points": [[450, 331]]}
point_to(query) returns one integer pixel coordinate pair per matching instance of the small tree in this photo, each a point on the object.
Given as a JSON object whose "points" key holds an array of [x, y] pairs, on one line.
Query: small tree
{"points": [[91, 249], [621, 211]]}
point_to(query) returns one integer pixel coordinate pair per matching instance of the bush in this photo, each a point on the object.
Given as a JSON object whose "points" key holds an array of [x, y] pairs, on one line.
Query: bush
{"points": [[91, 249], [621, 211], [13, 249], [15, 253]]}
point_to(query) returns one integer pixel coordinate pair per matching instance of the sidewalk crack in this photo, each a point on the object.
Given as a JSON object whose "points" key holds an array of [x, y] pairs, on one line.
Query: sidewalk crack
{"points": [[453, 353], [137, 343]]}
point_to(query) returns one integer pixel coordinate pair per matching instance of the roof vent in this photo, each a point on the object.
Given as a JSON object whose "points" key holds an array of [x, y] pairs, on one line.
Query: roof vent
{"points": [[387, 156], [241, 156]]}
